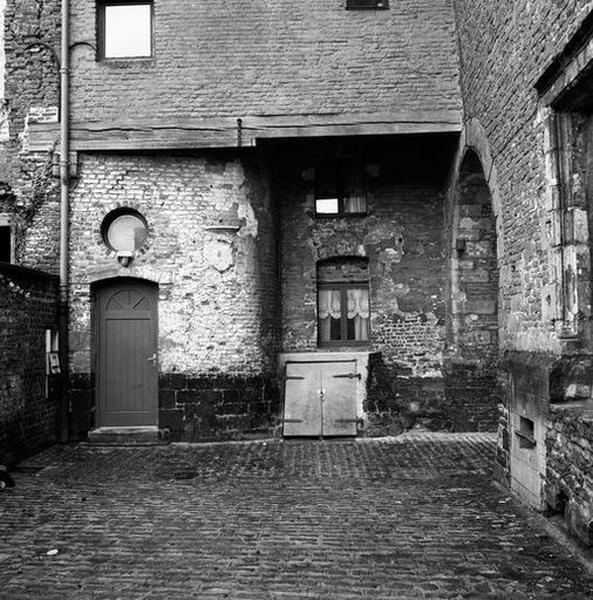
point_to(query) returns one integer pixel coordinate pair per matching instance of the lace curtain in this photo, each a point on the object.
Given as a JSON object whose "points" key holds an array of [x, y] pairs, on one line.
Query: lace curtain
{"points": [[358, 303], [355, 204], [358, 309], [330, 307], [330, 304]]}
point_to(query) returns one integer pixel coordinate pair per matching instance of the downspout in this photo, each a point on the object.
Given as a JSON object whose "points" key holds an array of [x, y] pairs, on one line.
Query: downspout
{"points": [[64, 207]]}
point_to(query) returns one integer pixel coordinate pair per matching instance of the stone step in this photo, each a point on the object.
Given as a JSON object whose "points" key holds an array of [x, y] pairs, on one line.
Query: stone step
{"points": [[125, 436]]}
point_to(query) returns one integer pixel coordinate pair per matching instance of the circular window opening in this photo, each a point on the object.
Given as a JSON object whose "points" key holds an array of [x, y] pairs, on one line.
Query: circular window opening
{"points": [[124, 230]]}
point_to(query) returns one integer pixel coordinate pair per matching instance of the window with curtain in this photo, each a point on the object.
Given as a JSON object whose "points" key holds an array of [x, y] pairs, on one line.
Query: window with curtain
{"points": [[340, 189], [343, 313]]}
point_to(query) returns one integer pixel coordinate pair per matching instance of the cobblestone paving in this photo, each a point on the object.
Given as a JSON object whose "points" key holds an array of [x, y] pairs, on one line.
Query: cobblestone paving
{"points": [[413, 517]]}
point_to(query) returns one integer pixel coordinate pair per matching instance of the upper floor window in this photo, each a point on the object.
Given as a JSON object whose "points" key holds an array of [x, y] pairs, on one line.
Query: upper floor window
{"points": [[340, 189], [367, 4], [6, 250], [125, 28]]}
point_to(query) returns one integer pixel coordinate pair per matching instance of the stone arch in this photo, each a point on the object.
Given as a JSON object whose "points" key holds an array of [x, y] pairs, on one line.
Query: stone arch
{"points": [[472, 324], [345, 268]]}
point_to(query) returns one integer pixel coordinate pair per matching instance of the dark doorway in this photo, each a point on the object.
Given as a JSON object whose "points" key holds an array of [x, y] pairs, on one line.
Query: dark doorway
{"points": [[126, 353]]}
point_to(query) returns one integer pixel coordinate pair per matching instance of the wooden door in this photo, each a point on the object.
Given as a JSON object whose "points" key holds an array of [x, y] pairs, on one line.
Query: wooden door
{"points": [[302, 406], [320, 399], [126, 345], [339, 398]]}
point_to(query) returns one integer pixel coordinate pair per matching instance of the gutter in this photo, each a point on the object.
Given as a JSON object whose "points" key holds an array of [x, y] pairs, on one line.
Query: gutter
{"points": [[64, 218]]}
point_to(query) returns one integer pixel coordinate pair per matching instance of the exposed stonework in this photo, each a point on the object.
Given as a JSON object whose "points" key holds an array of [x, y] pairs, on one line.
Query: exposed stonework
{"points": [[479, 261], [211, 250], [506, 105], [569, 472], [4, 122], [533, 151], [403, 241], [30, 79]]}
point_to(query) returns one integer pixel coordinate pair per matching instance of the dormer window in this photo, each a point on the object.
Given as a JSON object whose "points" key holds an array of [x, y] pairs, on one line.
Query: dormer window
{"points": [[125, 29], [340, 189], [367, 4]]}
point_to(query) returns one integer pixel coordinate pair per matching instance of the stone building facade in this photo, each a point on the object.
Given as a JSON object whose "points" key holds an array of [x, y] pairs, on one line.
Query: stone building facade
{"points": [[271, 190], [524, 81], [224, 173]]}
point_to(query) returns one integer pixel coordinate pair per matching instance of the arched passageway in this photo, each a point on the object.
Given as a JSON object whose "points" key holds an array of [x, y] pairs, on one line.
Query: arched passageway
{"points": [[472, 336]]}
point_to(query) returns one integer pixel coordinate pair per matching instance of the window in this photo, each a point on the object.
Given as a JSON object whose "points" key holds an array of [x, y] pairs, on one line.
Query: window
{"points": [[340, 189], [367, 4], [343, 301], [343, 314], [125, 230], [5, 238], [125, 29], [525, 433]]}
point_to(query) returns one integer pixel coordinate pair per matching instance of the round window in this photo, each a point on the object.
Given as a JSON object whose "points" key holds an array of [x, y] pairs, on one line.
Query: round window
{"points": [[124, 230]]}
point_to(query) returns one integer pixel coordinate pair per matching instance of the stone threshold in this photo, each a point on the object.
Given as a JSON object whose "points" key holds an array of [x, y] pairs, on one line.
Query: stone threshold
{"points": [[125, 436]]}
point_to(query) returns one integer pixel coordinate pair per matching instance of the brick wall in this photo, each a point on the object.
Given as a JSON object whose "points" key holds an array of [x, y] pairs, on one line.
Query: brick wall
{"points": [[569, 469], [31, 92], [471, 359], [218, 316], [402, 238], [28, 306], [267, 57], [503, 51]]}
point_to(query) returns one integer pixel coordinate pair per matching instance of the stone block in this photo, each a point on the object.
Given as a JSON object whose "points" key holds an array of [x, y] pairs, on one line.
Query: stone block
{"points": [[81, 400], [187, 396], [480, 307], [173, 381], [580, 523], [166, 399], [209, 397], [173, 421]]}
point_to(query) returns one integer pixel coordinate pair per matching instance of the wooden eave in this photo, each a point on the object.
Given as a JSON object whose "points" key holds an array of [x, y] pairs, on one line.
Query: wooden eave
{"points": [[226, 132]]}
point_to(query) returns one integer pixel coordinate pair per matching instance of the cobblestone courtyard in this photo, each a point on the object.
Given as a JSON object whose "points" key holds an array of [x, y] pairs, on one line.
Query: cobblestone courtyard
{"points": [[406, 518]]}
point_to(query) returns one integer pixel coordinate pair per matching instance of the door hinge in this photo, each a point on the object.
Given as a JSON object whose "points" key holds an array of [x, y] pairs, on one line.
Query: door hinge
{"points": [[292, 420], [348, 376], [293, 377]]}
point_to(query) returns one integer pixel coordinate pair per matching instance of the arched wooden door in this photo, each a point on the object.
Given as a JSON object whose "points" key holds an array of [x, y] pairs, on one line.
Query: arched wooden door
{"points": [[126, 351]]}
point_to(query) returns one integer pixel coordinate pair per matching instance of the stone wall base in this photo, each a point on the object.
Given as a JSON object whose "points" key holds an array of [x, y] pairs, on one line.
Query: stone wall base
{"points": [[194, 408]]}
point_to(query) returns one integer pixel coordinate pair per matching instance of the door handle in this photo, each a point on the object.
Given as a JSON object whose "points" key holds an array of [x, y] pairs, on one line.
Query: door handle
{"points": [[151, 358]]}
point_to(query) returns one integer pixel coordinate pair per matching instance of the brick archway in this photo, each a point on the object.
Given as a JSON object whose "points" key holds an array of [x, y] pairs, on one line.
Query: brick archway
{"points": [[473, 326]]}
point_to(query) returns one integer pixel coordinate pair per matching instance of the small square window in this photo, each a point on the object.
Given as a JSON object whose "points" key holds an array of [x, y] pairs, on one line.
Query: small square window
{"points": [[6, 240], [125, 29], [367, 4], [5, 244], [340, 189], [327, 206], [526, 433]]}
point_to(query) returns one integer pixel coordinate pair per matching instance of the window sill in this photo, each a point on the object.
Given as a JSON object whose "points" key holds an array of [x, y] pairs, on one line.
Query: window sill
{"points": [[126, 62], [343, 345], [339, 215]]}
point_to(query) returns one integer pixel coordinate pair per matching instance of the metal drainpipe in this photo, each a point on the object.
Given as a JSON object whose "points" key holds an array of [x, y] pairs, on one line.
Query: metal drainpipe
{"points": [[64, 208]]}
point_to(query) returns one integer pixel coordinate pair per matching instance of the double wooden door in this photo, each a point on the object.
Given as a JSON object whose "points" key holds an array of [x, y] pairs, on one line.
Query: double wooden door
{"points": [[126, 350], [320, 399]]}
